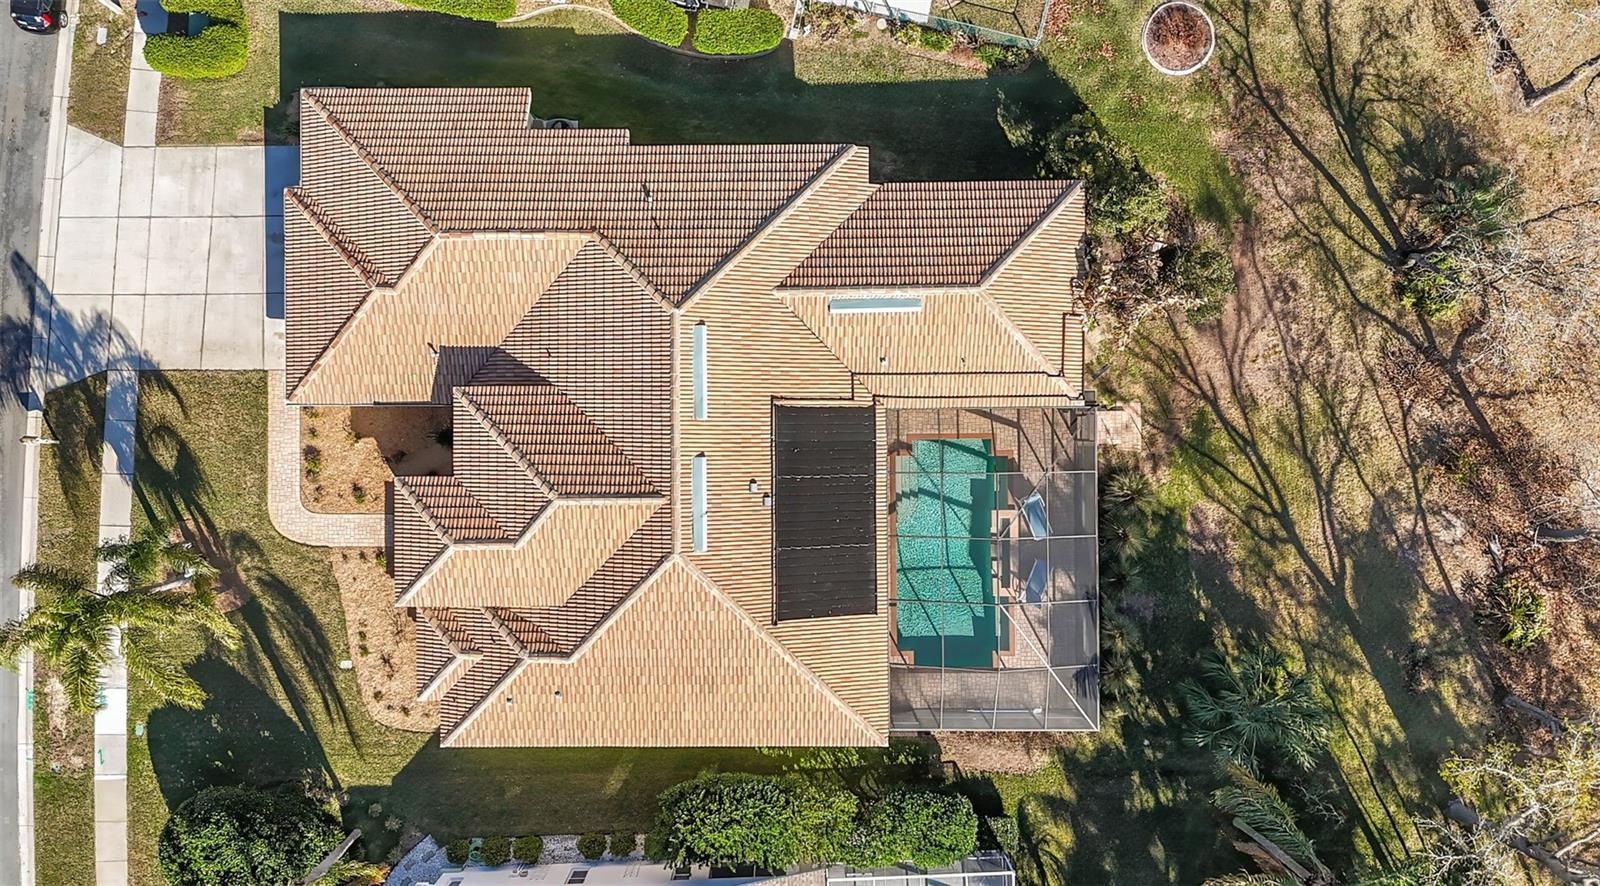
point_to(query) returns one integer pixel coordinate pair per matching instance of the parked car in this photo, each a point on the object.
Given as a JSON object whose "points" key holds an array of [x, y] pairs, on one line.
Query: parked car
{"points": [[38, 16]]}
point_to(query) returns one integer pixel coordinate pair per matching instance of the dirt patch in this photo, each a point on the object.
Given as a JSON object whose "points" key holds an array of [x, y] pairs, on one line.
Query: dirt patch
{"points": [[382, 642], [348, 455], [1178, 37], [232, 591], [1017, 753], [69, 739]]}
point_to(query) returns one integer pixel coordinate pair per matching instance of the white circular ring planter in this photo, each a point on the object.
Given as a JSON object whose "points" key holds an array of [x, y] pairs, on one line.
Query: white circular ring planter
{"points": [[1211, 38]]}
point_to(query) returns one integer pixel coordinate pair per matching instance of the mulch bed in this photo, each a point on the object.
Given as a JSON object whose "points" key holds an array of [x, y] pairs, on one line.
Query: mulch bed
{"points": [[1178, 37]]}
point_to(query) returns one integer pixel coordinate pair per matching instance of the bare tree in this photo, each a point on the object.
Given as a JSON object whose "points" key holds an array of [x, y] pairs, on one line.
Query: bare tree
{"points": [[1507, 56], [1513, 803]]}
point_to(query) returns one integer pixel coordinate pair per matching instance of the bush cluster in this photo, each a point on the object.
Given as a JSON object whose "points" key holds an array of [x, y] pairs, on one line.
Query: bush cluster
{"points": [[237, 834], [928, 38], [925, 828], [737, 31], [592, 845], [219, 50], [494, 851], [457, 851], [656, 20], [1001, 58], [775, 821], [623, 842], [481, 10], [1515, 605], [528, 848]]}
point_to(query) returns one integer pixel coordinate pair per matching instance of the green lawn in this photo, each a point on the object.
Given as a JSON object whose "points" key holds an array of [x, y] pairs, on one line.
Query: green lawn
{"points": [[282, 711], [69, 509], [99, 96]]}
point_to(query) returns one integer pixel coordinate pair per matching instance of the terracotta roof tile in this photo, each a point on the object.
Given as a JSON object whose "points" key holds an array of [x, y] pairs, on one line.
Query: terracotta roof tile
{"points": [[566, 451], [927, 234]]}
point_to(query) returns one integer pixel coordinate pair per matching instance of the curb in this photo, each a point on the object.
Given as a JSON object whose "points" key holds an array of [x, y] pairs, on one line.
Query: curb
{"points": [[49, 212]]}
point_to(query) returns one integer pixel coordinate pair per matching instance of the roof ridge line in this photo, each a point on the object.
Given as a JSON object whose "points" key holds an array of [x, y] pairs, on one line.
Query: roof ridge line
{"points": [[504, 630], [499, 436], [358, 261], [730, 260], [403, 483], [632, 270], [489, 694], [1074, 189], [805, 672], [1028, 345], [366, 157]]}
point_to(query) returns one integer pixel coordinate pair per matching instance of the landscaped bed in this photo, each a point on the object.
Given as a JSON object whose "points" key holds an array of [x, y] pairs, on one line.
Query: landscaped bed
{"points": [[736, 31]]}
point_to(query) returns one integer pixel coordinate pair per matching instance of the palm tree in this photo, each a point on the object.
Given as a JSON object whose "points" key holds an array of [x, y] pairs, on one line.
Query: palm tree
{"points": [[157, 589], [1257, 704]]}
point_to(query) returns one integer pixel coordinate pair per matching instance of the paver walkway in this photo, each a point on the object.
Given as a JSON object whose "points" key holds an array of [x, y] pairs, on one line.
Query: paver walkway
{"points": [[111, 718], [289, 515]]}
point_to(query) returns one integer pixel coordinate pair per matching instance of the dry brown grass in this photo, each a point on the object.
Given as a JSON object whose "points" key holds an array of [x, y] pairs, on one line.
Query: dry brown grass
{"points": [[382, 642]]}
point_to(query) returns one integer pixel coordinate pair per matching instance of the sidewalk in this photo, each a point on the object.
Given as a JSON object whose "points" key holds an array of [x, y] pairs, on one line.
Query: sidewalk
{"points": [[111, 719]]}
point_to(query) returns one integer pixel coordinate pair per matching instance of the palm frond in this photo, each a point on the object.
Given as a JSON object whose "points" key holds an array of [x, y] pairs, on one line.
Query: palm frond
{"points": [[1252, 880], [1258, 805], [50, 581], [163, 674], [79, 671]]}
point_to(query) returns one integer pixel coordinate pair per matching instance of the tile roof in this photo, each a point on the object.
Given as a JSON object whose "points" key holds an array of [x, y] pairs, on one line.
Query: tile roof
{"points": [[542, 283], [915, 234]]}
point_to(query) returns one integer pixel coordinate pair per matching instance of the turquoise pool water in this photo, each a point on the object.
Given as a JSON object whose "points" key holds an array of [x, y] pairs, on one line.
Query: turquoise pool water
{"points": [[944, 505]]}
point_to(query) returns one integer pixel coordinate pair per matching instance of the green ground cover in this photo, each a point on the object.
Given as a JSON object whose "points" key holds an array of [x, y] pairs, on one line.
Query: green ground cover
{"points": [[281, 711], [69, 505]]}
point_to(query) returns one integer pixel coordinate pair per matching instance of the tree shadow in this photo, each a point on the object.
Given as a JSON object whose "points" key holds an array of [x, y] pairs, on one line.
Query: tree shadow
{"points": [[241, 736], [927, 129]]}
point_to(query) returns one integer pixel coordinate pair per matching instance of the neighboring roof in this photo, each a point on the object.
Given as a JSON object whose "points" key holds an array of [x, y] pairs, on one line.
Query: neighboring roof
{"points": [[541, 283], [927, 234]]}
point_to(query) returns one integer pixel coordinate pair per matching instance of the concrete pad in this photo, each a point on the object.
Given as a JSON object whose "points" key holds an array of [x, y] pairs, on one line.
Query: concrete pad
{"points": [[241, 187], [178, 253], [110, 754], [283, 171], [87, 259], [122, 403], [79, 330], [139, 129], [233, 338], [144, 90], [111, 838], [127, 332], [116, 496], [133, 255], [275, 266], [111, 873], [184, 178], [272, 348], [238, 255], [138, 180], [111, 795], [172, 333], [91, 177]]}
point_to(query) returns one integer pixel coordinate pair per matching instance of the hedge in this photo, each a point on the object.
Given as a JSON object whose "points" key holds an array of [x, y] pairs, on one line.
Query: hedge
{"points": [[528, 848], [237, 834], [925, 828], [481, 10], [769, 822], [219, 50], [657, 20], [737, 31]]}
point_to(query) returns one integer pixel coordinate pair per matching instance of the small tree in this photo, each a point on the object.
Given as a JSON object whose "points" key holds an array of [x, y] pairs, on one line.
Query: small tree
{"points": [[1241, 709], [237, 834], [923, 827]]}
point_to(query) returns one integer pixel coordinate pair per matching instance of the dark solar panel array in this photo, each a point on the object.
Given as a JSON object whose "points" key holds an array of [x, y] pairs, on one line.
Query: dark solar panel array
{"points": [[825, 503]]}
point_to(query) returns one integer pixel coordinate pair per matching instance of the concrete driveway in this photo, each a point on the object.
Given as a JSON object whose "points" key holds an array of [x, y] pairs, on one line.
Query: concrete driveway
{"points": [[165, 258]]}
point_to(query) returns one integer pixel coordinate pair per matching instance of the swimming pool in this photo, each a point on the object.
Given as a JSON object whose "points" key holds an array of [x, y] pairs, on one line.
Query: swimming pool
{"points": [[944, 507]]}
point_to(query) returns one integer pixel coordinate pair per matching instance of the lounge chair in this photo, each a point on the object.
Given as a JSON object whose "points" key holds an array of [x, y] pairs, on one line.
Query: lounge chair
{"points": [[1038, 577], [1033, 514]]}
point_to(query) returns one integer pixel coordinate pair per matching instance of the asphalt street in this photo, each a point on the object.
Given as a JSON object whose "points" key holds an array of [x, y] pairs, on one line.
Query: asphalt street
{"points": [[27, 70]]}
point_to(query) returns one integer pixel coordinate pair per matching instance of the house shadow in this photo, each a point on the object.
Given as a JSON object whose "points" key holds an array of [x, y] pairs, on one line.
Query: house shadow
{"points": [[926, 129]]}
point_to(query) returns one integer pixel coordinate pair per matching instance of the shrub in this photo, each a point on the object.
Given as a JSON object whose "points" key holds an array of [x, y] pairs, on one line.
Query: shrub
{"points": [[494, 851], [767, 821], [1515, 605], [737, 31], [920, 826], [1433, 286], [219, 50], [623, 843], [592, 845], [656, 848], [237, 834], [1124, 199], [1001, 58], [1205, 274], [528, 848], [481, 10], [909, 34], [656, 20], [1001, 833], [457, 851]]}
